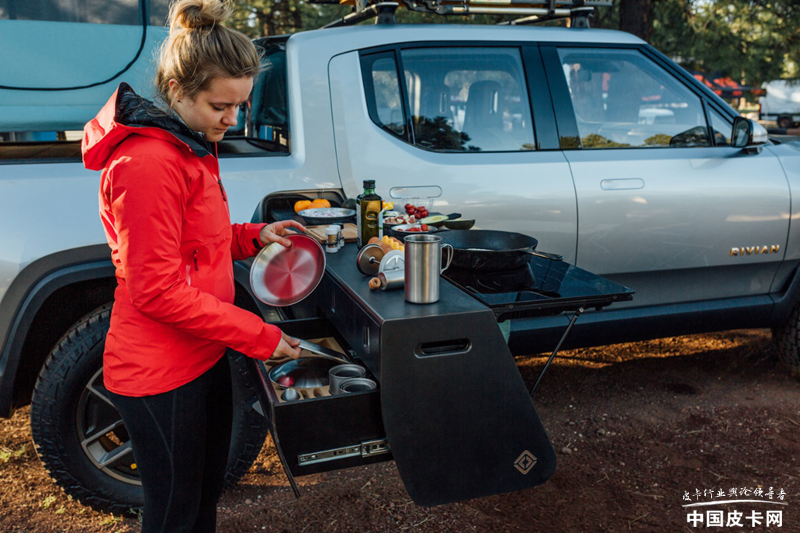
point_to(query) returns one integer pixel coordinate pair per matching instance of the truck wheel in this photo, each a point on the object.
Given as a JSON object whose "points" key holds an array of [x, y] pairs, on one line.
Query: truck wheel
{"points": [[787, 339], [785, 122], [81, 438]]}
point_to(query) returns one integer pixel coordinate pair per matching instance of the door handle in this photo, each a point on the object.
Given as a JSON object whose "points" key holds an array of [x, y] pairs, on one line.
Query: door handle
{"points": [[622, 184]]}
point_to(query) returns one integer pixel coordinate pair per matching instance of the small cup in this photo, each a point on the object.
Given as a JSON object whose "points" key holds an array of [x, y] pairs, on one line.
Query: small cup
{"points": [[341, 373], [357, 385]]}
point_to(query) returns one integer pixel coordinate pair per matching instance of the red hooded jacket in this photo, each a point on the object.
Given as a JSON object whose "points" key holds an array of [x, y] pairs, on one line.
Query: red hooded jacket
{"points": [[166, 219]]}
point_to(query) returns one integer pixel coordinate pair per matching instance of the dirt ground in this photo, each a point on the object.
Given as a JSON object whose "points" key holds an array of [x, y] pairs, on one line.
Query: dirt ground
{"points": [[635, 427]]}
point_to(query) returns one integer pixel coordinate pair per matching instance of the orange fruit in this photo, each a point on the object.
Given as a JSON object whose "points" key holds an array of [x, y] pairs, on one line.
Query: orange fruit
{"points": [[320, 202], [301, 204]]}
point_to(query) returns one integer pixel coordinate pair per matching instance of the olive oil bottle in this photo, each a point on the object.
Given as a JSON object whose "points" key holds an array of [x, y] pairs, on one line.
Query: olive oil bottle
{"points": [[368, 207]]}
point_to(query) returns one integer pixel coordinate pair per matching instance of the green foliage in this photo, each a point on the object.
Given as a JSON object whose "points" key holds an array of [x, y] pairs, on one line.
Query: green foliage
{"points": [[751, 41], [7, 454], [47, 502]]}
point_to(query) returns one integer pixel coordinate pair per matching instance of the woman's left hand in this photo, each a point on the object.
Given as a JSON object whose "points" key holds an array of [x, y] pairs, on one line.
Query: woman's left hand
{"points": [[274, 232]]}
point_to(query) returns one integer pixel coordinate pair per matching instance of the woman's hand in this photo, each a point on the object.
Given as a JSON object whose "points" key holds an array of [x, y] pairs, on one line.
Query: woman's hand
{"points": [[287, 347], [274, 232]]}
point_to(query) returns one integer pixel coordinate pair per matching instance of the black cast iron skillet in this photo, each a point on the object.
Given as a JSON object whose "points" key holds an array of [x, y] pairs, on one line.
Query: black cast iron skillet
{"points": [[492, 250]]}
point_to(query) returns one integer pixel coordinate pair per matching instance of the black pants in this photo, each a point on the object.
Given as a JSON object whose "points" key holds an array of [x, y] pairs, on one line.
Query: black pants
{"points": [[180, 443]]}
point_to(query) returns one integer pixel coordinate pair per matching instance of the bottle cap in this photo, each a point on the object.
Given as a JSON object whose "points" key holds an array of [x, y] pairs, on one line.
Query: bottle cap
{"points": [[369, 184]]}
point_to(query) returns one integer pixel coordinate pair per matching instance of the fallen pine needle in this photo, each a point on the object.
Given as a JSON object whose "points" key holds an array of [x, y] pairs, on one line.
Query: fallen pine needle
{"points": [[654, 496], [417, 524]]}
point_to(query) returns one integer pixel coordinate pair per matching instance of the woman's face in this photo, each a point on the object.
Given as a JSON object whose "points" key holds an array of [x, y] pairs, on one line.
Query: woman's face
{"points": [[213, 110]]}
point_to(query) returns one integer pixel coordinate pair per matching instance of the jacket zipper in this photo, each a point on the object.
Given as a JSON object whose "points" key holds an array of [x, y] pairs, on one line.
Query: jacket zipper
{"points": [[194, 258], [222, 189]]}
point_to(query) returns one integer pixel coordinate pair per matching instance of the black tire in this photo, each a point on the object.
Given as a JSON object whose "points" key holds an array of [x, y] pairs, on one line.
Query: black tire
{"points": [[785, 122], [76, 429], [787, 340]]}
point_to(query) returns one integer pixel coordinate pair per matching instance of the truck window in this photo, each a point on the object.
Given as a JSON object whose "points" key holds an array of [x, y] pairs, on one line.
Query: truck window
{"points": [[384, 100], [722, 129], [624, 100], [457, 99], [468, 99], [264, 124]]}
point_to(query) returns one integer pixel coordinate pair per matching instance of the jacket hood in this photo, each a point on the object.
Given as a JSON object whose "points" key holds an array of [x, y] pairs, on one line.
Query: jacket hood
{"points": [[126, 113]]}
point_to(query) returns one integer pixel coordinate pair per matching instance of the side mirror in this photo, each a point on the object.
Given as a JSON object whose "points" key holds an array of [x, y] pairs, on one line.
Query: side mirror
{"points": [[748, 135]]}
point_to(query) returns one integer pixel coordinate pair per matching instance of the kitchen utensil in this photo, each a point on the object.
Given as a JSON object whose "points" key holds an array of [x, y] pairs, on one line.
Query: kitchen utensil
{"points": [[327, 215], [340, 373], [393, 260], [423, 267], [369, 259], [301, 374], [357, 385], [323, 352], [283, 276], [290, 395], [492, 250], [392, 279]]}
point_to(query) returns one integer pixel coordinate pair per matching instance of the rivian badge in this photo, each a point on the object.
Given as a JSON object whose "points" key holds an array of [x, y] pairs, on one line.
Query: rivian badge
{"points": [[755, 250], [525, 462]]}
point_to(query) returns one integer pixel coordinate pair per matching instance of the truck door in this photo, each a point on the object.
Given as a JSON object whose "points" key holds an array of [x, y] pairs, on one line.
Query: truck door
{"points": [[474, 121], [666, 206]]}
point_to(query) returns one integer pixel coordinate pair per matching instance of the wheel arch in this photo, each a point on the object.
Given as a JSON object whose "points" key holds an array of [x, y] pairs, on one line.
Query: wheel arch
{"points": [[42, 302]]}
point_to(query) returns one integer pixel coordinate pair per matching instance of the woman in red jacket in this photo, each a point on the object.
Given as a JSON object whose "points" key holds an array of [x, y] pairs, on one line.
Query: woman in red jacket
{"points": [[166, 218]]}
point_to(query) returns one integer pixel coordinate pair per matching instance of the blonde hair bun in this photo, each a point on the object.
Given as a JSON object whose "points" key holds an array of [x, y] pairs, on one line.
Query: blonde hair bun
{"points": [[195, 14], [200, 48]]}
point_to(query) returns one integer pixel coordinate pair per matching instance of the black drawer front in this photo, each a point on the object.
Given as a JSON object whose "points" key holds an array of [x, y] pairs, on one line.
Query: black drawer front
{"points": [[310, 428], [357, 328], [326, 433]]}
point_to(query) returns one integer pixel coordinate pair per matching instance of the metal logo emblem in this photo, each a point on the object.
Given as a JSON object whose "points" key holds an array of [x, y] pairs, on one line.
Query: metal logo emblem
{"points": [[755, 250], [525, 462]]}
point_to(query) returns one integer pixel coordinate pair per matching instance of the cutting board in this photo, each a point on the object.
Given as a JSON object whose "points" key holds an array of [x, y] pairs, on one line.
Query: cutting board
{"points": [[318, 232]]}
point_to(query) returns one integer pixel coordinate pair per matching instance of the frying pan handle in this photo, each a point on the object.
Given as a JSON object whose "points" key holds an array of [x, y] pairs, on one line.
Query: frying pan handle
{"points": [[449, 257], [544, 255]]}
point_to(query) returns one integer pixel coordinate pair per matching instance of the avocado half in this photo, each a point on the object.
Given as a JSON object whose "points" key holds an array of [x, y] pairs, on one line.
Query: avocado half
{"points": [[459, 223], [434, 220]]}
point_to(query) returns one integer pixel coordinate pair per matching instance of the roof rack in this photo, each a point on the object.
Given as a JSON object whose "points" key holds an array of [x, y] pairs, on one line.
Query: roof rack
{"points": [[533, 11]]}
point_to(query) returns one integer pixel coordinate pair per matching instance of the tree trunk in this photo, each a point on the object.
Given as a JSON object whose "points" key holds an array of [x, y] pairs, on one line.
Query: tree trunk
{"points": [[636, 17]]}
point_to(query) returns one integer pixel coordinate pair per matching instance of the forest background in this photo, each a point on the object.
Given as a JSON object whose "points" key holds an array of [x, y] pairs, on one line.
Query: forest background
{"points": [[750, 41]]}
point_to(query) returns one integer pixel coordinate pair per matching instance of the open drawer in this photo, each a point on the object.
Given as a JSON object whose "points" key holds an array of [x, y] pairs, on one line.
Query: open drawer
{"points": [[321, 432]]}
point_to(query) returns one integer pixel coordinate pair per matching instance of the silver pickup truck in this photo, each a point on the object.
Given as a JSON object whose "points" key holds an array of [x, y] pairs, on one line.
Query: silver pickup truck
{"points": [[598, 145]]}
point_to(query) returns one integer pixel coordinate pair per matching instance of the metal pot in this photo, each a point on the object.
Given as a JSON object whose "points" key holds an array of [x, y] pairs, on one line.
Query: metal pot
{"points": [[306, 373], [492, 250]]}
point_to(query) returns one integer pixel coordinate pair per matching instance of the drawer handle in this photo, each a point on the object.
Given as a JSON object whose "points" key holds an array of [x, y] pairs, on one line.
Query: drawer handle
{"points": [[448, 347]]}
